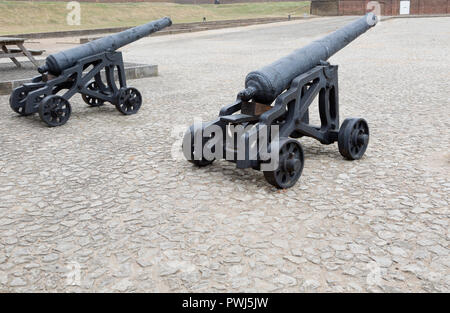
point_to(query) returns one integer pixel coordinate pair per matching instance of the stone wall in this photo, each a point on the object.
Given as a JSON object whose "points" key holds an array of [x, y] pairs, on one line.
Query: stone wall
{"points": [[325, 8]]}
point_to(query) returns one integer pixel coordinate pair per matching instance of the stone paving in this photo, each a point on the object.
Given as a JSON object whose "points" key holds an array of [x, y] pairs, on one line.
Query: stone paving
{"points": [[100, 204]]}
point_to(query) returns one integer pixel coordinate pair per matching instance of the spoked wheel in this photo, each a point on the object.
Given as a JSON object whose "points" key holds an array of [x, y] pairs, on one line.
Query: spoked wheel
{"points": [[15, 100], [290, 164], [92, 101], [129, 101], [353, 138], [193, 156], [55, 110]]}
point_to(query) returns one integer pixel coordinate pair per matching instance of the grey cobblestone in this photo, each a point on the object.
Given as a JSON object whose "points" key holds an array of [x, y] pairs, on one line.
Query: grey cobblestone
{"points": [[103, 191]]}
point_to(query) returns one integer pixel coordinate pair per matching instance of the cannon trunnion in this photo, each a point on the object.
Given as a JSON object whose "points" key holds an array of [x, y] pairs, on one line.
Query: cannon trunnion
{"points": [[255, 133], [79, 70]]}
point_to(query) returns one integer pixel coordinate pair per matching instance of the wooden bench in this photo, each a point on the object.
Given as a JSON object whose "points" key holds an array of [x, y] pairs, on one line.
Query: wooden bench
{"points": [[32, 51], [13, 52]]}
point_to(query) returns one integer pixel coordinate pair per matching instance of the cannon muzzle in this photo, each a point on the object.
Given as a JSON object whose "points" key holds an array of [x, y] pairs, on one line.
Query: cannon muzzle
{"points": [[58, 62], [266, 84]]}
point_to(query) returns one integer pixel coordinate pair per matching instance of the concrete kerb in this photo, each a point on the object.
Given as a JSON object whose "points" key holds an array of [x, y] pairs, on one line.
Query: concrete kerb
{"points": [[132, 71]]}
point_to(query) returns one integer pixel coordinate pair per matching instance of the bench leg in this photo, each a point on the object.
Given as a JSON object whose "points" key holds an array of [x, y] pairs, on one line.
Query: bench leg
{"points": [[28, 54], [17, 63]]}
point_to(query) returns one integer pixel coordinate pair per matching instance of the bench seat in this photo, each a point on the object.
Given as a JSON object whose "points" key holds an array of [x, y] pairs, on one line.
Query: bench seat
{"points": [[32, 51]]}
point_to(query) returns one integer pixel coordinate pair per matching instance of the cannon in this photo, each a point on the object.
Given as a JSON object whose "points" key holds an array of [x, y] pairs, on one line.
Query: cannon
{"points": [[80, 70], [260, 129]]}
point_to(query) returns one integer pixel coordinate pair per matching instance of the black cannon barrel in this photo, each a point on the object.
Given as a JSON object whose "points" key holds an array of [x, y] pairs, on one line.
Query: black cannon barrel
{"points": [[57, 62], [266, 84]]}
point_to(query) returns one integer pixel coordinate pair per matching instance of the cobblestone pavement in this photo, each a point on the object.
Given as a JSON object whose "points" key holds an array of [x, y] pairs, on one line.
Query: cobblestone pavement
{"points": [[100, 205]]}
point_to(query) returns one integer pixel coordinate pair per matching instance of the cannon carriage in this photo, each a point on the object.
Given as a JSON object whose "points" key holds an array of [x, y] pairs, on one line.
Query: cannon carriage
{"points": [[278, 97], [80, 70]]}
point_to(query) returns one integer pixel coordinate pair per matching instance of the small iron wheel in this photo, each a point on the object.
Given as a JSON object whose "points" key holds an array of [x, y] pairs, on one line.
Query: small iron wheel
{"points": [[93, 101], [129, 101], [55, 110], [290, 164], [353, 138], [17, 96], [189, 153]]}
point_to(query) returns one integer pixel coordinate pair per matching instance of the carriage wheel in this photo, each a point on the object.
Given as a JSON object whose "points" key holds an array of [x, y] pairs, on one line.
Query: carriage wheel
{"points": [[55, 110], [290, 164], [93, 101], [353, 138], [17, 96], [129, 101], [190, 153]]}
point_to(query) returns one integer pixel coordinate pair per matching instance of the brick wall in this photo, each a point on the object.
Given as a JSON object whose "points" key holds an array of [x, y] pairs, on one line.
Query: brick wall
{"points": [[388, 7], [418, 7], [325, 8], [430, 7]]}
